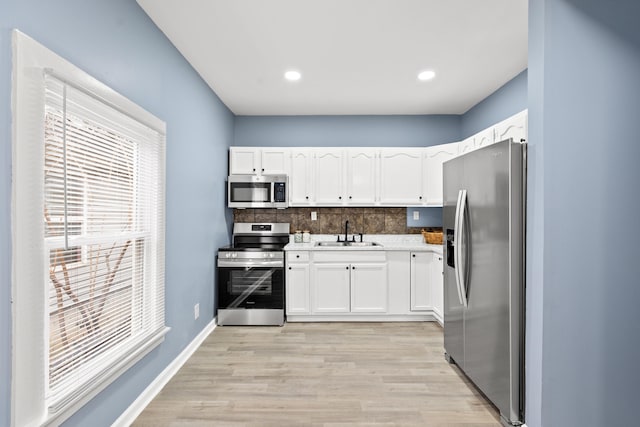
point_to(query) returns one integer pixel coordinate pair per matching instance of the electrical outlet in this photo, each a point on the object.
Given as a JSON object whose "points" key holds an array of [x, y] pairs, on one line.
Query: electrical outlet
{"points": [[314, 216], [196, 311], [416, 215]]}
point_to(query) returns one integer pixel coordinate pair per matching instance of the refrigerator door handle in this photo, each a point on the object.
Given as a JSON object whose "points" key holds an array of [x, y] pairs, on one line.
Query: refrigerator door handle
{"points": [[459, 231]]}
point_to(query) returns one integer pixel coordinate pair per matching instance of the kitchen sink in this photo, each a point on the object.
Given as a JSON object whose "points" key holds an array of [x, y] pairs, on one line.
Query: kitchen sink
{"points": [[348, 244]]}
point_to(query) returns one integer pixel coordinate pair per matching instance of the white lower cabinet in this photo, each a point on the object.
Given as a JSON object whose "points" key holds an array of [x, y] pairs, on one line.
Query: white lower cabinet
{"points": [[369, 288], [421, 265], [331, 288], [343, 287], [427, 283], [437, 287], [297, 283], [364, 285]]}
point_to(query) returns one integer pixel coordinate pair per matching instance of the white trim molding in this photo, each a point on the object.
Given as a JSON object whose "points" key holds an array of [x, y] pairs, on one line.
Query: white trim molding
{"points": [[135, 409]]}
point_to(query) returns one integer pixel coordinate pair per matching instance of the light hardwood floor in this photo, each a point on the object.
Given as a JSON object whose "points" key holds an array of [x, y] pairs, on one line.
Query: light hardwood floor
{"points": [[320, 374]]}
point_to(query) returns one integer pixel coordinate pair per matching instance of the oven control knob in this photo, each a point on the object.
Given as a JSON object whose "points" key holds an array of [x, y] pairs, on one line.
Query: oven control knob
{"points": [[234, 255], [270, 255], [227, 255]]}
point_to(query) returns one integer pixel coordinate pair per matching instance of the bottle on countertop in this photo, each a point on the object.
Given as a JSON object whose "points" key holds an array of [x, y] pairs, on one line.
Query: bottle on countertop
{"points": [[306, 236], [297, 236]]}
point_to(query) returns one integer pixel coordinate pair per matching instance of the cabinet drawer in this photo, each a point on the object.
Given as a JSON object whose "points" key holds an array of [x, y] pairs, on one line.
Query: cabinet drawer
{"points": [[297, 256], [349, 256]]}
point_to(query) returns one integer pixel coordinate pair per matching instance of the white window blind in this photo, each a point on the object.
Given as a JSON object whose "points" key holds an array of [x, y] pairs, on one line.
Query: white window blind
{"points": [[103, 219]]}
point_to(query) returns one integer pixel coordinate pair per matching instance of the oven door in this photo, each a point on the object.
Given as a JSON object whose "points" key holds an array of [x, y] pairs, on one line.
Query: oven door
{"points": [[258, 285]]}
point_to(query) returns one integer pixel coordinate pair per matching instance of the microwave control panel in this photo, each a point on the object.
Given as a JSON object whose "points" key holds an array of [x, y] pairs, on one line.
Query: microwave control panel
{"points": [[279, 193]]}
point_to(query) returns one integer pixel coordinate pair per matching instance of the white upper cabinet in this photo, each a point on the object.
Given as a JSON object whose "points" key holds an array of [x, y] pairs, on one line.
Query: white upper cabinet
{"points": [[514, 127], [484, 138], [467, 145], [361, 176], [353, 176], [258, 161], [329, 177], [401, 176], [274, 161], [244, 160], [300, 190], [434, 157]]}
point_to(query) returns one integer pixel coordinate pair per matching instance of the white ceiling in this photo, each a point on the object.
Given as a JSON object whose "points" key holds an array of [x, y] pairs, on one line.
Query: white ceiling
{"points": [[355, 56]]}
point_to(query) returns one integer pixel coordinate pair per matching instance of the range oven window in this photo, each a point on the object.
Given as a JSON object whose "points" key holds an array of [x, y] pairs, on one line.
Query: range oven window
{"points": [[258, 192], [251, 281], [251, 287]]}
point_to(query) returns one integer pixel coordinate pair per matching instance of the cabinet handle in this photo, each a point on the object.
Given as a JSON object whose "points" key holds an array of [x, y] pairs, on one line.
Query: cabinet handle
{"points": [[347, 267], [306, 197], [350, 197], [254, 169], [262, 169], [289, 268], [353, 268], [413, 255], [339, 197], [420, 197], [439, 258], [297, 256]]}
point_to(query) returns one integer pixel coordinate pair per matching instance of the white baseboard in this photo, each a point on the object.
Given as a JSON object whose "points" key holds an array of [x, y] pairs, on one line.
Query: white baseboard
{"points": [[131, 413]]}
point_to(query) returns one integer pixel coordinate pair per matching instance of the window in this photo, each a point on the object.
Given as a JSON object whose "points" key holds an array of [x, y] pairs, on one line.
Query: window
{"points": [[94, 216]]}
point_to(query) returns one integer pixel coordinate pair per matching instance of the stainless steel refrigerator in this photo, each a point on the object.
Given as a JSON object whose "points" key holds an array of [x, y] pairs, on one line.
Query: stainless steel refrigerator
{"points": [[484, 223]]}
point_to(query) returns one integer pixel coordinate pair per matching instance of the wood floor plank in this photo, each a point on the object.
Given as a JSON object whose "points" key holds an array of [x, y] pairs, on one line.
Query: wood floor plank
{"points": [[321, 375]]}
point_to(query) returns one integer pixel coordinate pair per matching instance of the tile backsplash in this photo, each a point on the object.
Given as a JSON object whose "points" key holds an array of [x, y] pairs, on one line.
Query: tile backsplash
{"points": [[332, 220]]}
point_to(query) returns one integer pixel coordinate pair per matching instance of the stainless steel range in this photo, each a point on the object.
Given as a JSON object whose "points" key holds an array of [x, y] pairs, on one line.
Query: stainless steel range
{"points": [[251, 275]]}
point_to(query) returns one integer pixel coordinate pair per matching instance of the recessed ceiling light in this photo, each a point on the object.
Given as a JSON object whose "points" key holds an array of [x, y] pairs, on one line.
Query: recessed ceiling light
{"points": [[292, 75], [426, 75]]}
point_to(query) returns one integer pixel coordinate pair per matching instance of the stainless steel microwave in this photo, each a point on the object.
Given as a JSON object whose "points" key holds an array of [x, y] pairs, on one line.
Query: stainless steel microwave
{"points": [[257, 191]]}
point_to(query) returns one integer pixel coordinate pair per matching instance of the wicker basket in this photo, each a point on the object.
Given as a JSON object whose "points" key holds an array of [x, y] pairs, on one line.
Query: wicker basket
{"points": [[432, 236]]}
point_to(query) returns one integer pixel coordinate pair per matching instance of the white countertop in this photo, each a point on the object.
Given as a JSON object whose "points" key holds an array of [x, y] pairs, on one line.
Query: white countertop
{"points": [[388, 242]]}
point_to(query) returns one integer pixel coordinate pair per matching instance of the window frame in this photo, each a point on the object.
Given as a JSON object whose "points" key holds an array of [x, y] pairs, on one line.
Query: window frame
{"points": [[29, 250]]}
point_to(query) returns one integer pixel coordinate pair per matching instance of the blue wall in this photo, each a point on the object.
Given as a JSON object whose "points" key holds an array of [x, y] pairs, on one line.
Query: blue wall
{"points": [[429, 217], [118, 44], [508, 100], [337, 131], [584, 103]]}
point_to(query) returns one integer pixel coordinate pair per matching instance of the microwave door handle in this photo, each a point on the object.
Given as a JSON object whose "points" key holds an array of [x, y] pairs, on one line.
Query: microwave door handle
{"points": [[460, 230], [272, 191]]}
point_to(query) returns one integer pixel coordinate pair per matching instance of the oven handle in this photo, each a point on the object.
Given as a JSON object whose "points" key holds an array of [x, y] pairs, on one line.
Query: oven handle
{"points": [[247, 263]]}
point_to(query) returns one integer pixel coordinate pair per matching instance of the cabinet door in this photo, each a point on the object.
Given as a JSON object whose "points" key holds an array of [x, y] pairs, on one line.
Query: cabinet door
{"points": [[274, 161], [421, 299], [300, 178], [329, 174], [484, 138], [361, 177], [514, 127], [369, 288], [401, 177], [297, 289], [437, 287], [434, 157], [244, 160], [330, 287], [467, 145]]}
